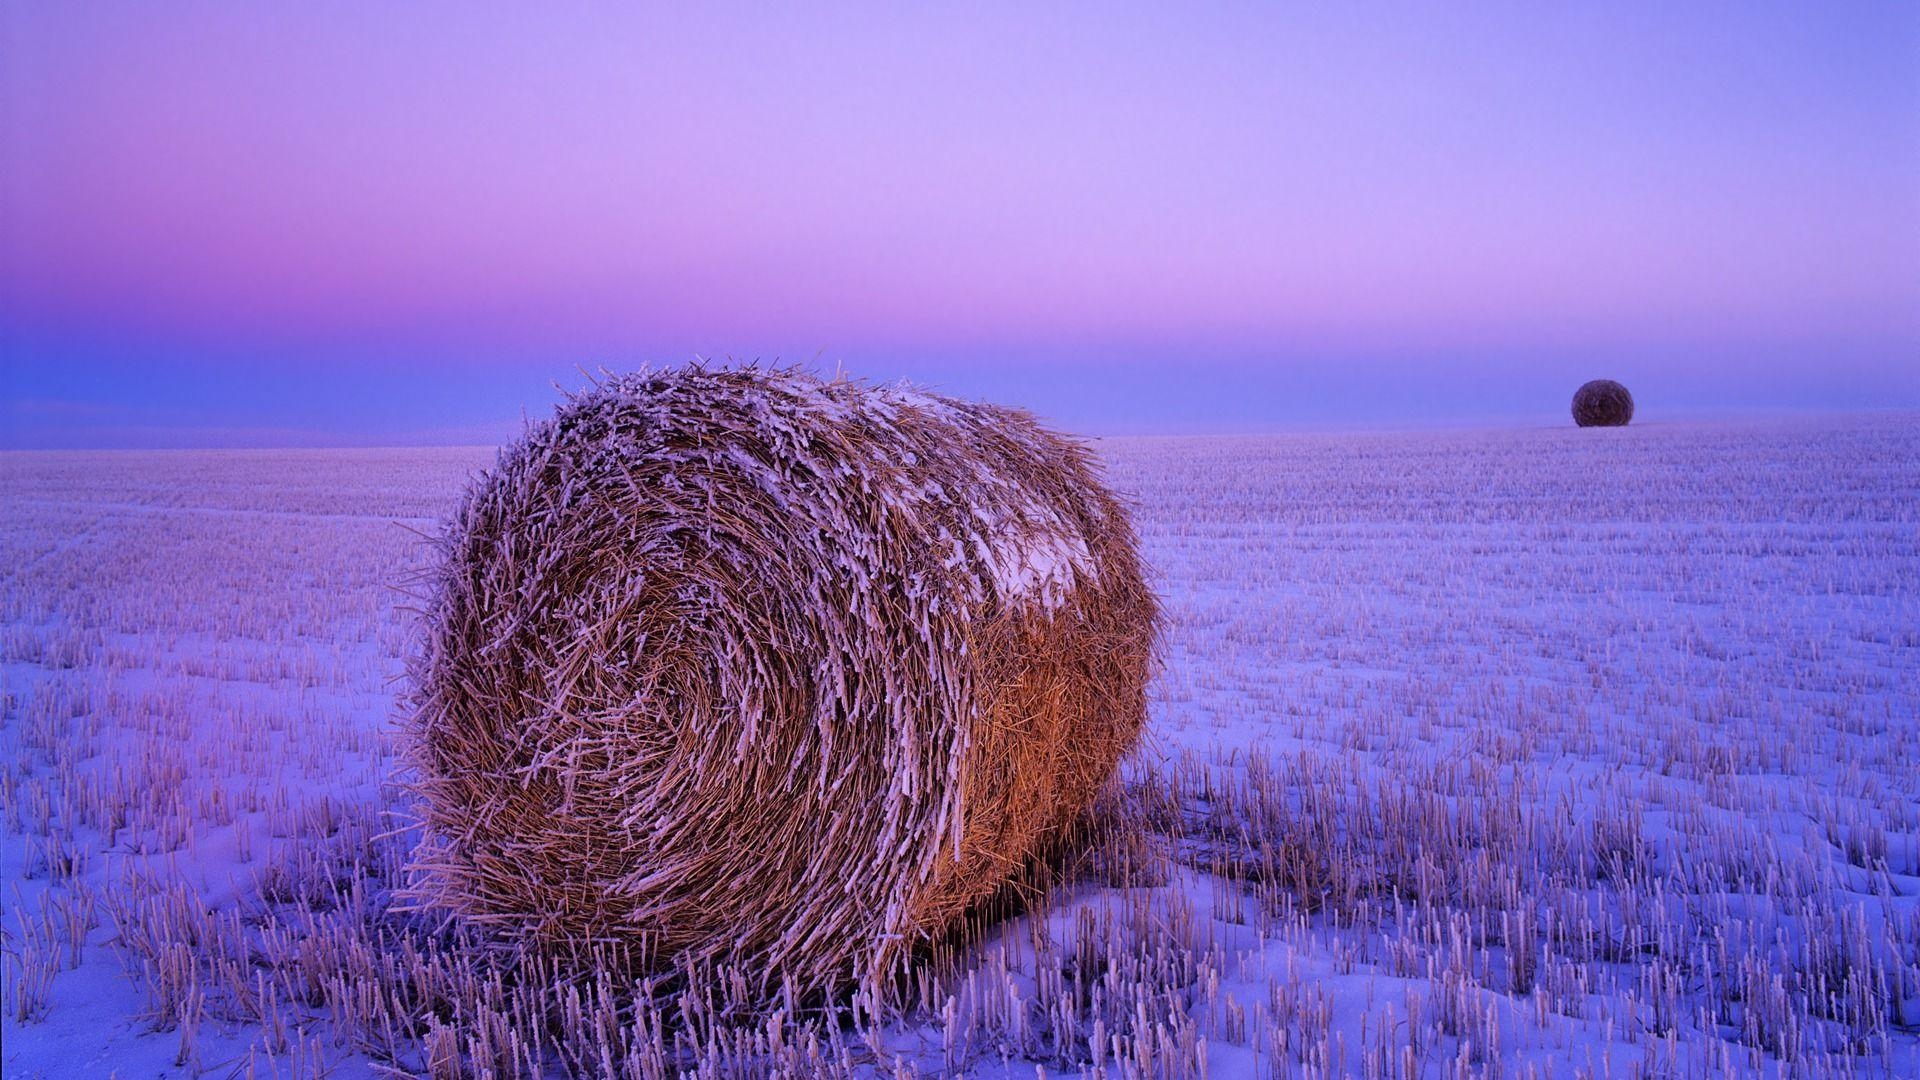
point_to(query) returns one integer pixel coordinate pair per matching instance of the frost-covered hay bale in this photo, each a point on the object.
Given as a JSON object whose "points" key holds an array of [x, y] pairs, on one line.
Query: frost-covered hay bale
{"points": [[749, 667], [1602, 403]]}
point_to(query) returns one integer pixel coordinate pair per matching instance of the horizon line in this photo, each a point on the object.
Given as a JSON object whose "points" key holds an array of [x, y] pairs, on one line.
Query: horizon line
{"points": [[322, 441]]}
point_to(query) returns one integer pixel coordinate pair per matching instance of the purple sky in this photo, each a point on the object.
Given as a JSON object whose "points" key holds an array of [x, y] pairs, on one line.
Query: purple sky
{"points": [[403, 222]]}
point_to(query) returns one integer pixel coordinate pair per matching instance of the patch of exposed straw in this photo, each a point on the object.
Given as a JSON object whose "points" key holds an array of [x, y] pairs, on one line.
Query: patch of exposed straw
{"points": [[747, 667]]}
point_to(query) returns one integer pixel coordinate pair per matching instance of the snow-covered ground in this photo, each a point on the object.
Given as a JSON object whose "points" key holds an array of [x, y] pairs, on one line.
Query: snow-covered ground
{"points": [[1528, 751]]}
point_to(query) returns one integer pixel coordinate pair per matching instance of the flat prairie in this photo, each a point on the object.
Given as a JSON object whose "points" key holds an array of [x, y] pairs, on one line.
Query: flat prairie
{"points": [[1516, 752]]}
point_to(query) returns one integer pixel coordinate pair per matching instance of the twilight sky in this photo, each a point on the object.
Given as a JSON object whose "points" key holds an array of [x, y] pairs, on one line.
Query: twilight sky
{"points": [[271, 224]]}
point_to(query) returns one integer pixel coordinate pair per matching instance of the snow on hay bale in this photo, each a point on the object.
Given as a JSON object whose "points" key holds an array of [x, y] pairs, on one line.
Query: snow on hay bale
{"points": [[1602, 403], [747, 667]]}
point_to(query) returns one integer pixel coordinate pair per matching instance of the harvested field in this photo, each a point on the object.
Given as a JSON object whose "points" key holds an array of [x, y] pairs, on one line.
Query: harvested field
{"points": [[1467, 758]]}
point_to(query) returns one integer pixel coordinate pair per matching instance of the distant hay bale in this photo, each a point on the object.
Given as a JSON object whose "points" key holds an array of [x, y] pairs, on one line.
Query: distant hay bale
{"points": [[746, 666], [1602, 403]]}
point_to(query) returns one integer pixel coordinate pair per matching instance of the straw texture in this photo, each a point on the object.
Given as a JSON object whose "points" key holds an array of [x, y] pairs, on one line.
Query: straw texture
{"points": [[747, 667]]}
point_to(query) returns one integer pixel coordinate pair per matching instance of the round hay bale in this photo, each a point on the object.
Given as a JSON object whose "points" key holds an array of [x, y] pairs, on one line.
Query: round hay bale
{"points": [[1602, 403], [745, 666]]}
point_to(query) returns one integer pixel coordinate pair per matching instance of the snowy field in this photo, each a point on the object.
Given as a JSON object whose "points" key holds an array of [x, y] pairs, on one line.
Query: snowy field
{"points": [[1519, 752]]}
